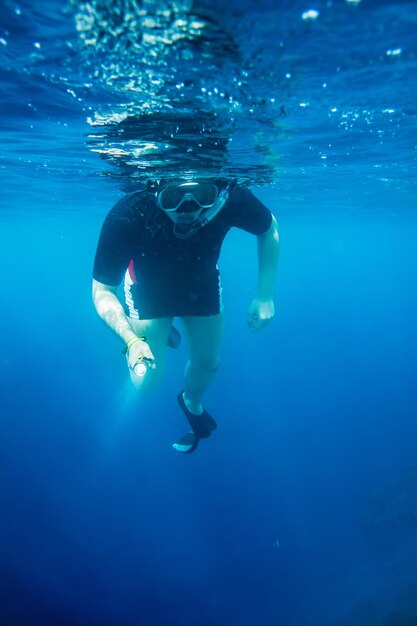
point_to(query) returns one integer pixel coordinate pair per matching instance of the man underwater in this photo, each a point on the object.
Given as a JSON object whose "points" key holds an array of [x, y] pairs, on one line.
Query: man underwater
{"points": [[164, 243]]}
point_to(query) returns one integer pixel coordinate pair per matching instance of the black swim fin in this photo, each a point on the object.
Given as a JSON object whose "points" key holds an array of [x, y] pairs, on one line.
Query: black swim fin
{"points": [[186, 444], [202, 427]]}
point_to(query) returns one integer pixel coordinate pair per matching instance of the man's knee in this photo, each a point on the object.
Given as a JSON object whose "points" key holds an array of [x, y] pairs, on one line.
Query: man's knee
{"points": [[206, 363]]}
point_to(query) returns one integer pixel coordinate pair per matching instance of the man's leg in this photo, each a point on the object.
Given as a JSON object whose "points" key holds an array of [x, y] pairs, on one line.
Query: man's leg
{"points": [[156, 332], [204, 336]]}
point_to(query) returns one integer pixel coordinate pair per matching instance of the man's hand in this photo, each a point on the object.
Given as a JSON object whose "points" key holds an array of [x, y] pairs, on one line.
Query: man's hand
{"points": [[138, 351], [260, 313]]}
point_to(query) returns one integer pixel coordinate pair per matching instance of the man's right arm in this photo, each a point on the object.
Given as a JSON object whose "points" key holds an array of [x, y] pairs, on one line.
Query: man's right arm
{"points": [[110, 310]]}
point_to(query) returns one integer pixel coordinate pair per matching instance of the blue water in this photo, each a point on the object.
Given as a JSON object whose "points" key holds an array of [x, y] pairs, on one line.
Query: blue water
{"points": [[302, 509]]}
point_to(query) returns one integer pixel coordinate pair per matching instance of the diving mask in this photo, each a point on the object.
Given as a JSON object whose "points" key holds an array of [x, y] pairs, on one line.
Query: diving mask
{"points": [[203, 195]]}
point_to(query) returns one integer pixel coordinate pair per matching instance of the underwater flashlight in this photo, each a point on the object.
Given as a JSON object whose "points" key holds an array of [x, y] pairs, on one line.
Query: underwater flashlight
{"points": [[140, 369], [141, 366]]}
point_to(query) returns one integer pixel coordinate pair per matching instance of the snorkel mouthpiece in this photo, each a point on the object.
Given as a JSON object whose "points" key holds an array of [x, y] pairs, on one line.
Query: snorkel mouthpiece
{"points": [[183, 231]]}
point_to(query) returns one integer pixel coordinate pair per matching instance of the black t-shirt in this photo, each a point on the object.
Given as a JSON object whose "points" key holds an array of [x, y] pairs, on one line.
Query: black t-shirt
{"points": [[136, 229]]}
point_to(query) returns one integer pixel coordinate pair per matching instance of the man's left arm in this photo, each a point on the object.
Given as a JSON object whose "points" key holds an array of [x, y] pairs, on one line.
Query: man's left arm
{"points": [[262, 310]]}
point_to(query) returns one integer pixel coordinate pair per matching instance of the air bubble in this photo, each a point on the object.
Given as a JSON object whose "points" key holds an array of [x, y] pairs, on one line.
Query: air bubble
{"points": [[310, 15]]}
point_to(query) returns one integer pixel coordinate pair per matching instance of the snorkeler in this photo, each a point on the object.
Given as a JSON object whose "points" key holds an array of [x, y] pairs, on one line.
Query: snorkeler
{"points": [[164, 243]]}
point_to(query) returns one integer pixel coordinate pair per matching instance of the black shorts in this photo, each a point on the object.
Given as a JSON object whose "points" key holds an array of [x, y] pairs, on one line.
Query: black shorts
{"points": [[149, 301]]}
